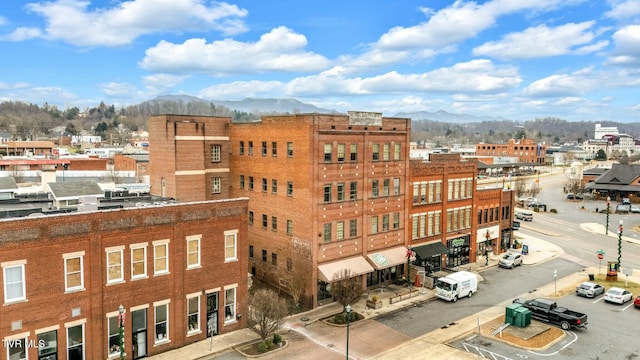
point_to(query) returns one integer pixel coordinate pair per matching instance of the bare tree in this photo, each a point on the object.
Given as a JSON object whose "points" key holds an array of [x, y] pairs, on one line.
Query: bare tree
{"points": [[267, 312], [535, 188], [346, 287], [520, 185], [298, 269]]}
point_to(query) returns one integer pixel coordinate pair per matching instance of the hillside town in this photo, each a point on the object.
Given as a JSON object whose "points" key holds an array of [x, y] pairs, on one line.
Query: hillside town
{"points": [[155, 244]]}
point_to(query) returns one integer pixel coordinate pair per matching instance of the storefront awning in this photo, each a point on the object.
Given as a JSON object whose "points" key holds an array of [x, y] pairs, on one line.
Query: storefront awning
{"points": [[429, 250], [387, 258], [356, 266]]}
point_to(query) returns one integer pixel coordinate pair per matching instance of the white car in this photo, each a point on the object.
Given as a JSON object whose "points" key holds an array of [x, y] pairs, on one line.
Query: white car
{"points": [[617, 295], [510, 260], [590, 289]]}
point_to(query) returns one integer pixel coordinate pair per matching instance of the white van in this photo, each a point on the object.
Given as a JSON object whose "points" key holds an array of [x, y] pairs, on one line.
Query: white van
{"points": [[456, 285], [524, 215]]}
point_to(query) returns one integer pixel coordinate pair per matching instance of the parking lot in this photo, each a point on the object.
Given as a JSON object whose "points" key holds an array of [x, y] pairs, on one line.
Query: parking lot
{"points": [[595, 342]]}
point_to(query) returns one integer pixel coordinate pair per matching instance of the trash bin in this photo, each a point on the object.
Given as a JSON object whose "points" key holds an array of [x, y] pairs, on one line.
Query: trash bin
{"points": [[591, 277]]}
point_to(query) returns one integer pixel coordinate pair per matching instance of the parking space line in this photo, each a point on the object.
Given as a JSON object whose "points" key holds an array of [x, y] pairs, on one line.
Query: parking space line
{"points": [[598, 300], [626, 307], [482, 351]]}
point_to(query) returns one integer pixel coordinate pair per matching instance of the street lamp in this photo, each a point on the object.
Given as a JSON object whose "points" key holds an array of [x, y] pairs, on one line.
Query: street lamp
{"points": [[121, 330], [487, 248], [606, 231], [347, 309], [619, 245]]}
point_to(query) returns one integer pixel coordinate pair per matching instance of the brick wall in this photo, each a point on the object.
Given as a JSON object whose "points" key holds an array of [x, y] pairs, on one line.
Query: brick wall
{"points": [[41, 242]]}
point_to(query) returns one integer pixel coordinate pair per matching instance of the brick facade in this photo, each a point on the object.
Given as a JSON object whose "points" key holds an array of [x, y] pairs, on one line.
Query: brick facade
{"points": [[181, 160], [49, 249], [525, 150], [298, 172], [311, 172]]}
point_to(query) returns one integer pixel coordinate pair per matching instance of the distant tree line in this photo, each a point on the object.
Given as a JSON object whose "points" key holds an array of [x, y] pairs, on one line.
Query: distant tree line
{"points": [[26, 121]]}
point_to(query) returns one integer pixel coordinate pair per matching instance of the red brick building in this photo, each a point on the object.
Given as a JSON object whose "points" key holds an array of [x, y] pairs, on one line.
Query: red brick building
{"points": [[190, 157], [137, 163], [451, 221], [525, 150], [177, 270], [337, 189], [332, 184]]}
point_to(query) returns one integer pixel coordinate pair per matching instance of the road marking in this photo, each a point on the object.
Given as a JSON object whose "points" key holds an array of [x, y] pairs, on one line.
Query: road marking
{"points": [[490, 354], [626, 307], [562, 348], [598, 300]]}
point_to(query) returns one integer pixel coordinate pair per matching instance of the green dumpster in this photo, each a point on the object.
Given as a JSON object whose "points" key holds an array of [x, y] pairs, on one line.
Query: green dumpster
{"points": [[510, 313], [522, 317]]}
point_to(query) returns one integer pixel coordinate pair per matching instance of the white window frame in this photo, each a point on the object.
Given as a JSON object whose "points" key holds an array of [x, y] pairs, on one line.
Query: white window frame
{"points": [[216, 150], [197, 252], [190, 312], [166, 337], [216, 185], [68, 327], [134, 247], [12, 265], [113, 250], [71, 256], [231, 235], [230, 315], [116, 351], [9, 342], [157, 244]]}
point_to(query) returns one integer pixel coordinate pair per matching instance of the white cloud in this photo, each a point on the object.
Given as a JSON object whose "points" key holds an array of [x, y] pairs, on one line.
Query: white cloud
{"points": [[280, 50], [3, 21], [624, 10], [239, 90], [158, 84], [118, 90], [476, 76], [73, 22], [9, 86], [460, 21], [37, 94], [564, 85], [23, 33], [627, 46], [542, 41]]}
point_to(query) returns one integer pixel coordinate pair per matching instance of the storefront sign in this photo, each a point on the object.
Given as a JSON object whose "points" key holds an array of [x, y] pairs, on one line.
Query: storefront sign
{"points": [[380, 259], [458, 242]]}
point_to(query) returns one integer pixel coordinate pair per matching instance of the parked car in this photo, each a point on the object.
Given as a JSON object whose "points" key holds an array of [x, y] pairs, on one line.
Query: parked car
{"points": [[549, 311], [589, 289], [626, 201], [622, 209], [617, 295], [539, 205], [636, 302], [510, 260], [634, 209], [572, 196]]}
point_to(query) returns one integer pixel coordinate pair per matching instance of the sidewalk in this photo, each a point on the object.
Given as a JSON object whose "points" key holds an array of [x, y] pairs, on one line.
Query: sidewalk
{"points": [[431, 345]]}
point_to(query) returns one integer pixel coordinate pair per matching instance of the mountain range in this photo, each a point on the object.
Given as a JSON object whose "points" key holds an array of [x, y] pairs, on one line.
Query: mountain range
{"points": [[293, 106]]}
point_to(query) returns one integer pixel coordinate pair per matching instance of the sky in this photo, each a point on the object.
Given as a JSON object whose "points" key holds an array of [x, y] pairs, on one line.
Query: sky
{"points": [[518, 59]]}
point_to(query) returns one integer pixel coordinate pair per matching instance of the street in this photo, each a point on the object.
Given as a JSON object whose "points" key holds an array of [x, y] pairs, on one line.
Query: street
{"points": [[611, 328]]}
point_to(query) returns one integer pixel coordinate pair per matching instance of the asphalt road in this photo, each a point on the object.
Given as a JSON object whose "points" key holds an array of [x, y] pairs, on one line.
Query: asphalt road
{"points": [[611, 334], [498, 285]]}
